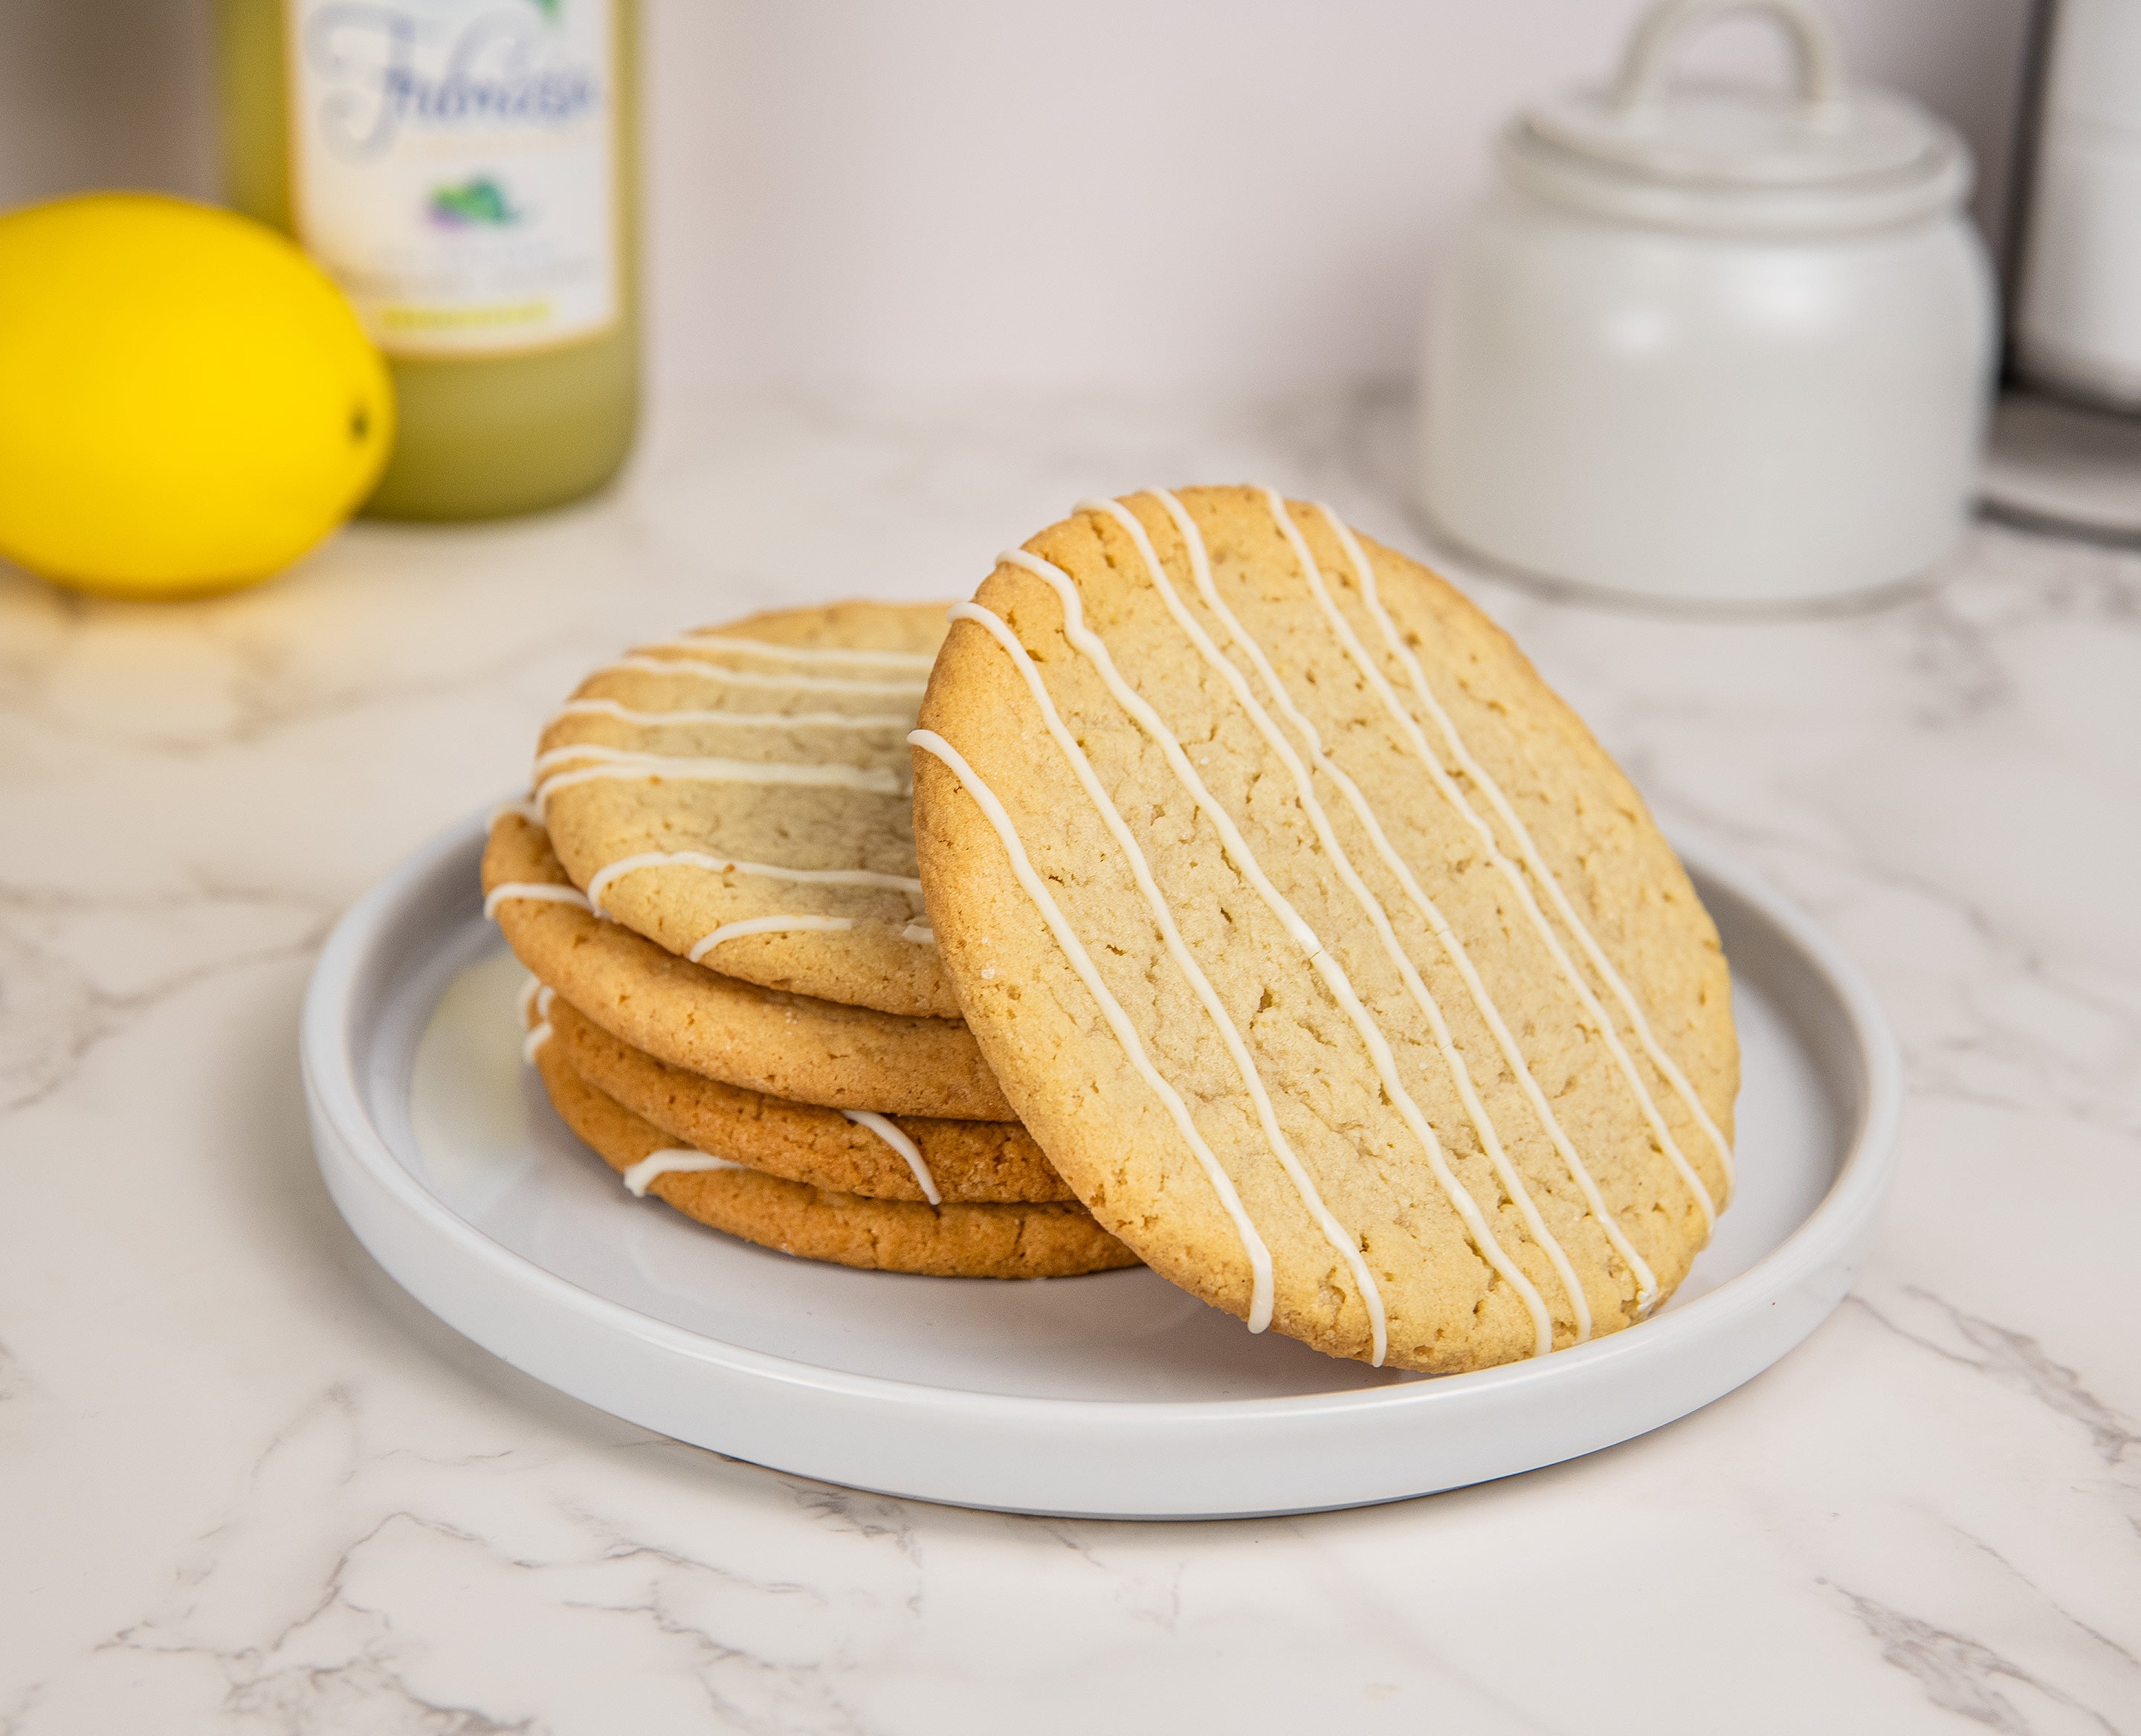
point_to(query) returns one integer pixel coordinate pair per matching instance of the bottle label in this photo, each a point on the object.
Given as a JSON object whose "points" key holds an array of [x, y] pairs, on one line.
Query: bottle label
{"points": [[453, 166]]}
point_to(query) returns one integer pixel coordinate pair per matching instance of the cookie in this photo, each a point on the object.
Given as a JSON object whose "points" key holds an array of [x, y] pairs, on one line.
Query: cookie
{"points": [[1326, 954], [739, 796], [854, 1151], [785, 1045], [1034, 1241]]}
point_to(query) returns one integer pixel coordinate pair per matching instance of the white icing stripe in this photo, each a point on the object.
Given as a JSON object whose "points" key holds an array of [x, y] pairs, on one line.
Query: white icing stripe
{"points": [[1597, 1015], [1364, 574], [1429, 913], [698, 669], [1513, 1183], [673, 1160], [835, 656], [920, 933], [884, 1128], [616, 765], [611, 873], [877, 780], [1509, 870], [1094, 650], [1646, 1284], [1453, 950], [1312, 1199], [768, 925], [537, 891], [688, 719], [1082, 961], [535, 1001]]}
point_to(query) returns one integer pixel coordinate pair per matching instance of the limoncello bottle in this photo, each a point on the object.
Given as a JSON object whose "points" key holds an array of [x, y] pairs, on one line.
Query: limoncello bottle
{"points": [[465, 170]]}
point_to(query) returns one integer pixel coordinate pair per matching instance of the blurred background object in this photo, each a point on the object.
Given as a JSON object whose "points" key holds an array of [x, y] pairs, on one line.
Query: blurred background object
{"points": [[1713, 343], [467, 173], [2066, 450], [188, 403], [2078, 309], [936, 195]]}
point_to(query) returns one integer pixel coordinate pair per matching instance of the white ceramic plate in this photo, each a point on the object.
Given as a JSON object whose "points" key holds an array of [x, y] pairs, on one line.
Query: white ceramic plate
{"points": [[1112, 1395]]}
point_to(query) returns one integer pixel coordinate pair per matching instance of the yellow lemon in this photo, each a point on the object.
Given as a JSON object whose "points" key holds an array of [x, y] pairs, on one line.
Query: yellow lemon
{"points": [[187, 403]]}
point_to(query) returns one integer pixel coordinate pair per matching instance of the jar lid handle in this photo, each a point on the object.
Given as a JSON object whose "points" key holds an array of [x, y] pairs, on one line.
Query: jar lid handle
{"points": [[1815, 47]]}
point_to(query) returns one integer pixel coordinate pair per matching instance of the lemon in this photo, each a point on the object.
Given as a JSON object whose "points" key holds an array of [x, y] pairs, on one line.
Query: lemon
{"points": [[187, 404]]}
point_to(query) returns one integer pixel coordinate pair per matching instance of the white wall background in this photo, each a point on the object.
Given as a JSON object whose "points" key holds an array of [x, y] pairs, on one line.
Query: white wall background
{"points": [[933, 195]]}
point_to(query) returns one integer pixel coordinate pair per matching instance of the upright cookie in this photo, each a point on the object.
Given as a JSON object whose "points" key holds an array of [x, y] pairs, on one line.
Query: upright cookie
{"points": [[786, 1045], [739, 796], [1325, 953]]}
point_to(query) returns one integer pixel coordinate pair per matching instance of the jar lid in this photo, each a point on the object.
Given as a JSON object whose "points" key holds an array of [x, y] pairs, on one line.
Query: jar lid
{"points": [[1824, 158]]}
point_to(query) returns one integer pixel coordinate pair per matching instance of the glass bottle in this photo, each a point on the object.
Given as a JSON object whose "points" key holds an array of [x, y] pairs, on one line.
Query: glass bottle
{"points": [[466, 170]]}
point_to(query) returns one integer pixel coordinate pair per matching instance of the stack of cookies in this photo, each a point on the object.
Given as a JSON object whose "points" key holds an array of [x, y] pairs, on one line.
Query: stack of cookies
{"points": [[738, 1001], [1243, 904]]}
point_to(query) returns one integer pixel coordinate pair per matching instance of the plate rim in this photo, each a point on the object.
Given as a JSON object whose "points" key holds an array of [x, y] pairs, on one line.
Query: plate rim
{"points": [[328, 1052]]}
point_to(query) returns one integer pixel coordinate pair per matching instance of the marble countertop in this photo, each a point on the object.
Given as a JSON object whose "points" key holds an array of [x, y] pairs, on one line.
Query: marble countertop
{"points": [[246, 1484]]}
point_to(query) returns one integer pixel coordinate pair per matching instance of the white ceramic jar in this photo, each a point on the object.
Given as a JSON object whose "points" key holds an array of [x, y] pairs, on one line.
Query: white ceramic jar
{"points": [[1712, 346]]}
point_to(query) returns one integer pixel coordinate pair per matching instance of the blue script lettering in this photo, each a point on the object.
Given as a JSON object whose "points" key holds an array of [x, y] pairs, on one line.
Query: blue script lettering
{"points": [[491, 74]]}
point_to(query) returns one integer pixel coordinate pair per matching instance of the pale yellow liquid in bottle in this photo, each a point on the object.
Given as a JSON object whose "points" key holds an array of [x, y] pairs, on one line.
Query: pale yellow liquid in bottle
{"points": [[478, 436]]}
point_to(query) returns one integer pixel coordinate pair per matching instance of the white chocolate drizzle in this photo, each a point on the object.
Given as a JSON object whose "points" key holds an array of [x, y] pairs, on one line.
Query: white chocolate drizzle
{"points": [[875, 779], [895, 1136], [686, 718], [535, 1001], [1512, 1184], [671, 1160], [1429, 913], [541, 892], [1668, 1069], [611, 873], [626, 765], [1095, 651], [830, 655], [589, 760], [1200, 985], [780, 924], [573, 764], [1518, 884], [699, 669], [1437, 926], [1118, 1021]]}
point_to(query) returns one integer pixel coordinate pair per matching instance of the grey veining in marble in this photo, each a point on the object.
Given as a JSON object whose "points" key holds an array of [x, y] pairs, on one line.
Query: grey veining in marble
{"points": [[246, 1485]]}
